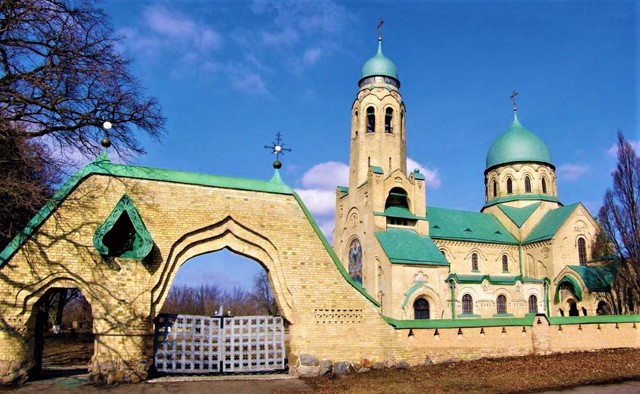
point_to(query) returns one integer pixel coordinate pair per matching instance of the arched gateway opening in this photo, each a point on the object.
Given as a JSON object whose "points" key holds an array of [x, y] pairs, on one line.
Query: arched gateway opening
{"points": [[63, 333], [231, 322]]}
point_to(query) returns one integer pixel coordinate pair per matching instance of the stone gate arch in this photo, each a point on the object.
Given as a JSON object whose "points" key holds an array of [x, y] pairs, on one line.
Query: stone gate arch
{"points": [[241, 239]]}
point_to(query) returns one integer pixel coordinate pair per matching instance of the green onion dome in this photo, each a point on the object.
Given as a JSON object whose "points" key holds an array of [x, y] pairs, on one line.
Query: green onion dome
{"points": [[379, 65], [517, 144]]}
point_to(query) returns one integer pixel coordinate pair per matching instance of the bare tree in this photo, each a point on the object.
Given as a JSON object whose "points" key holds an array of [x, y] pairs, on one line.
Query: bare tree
{"points": [[620, 219], [262, 294], [62, 77]]}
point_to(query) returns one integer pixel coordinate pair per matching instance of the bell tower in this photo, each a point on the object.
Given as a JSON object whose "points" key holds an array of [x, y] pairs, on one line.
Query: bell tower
{"points": [[377, 120]]}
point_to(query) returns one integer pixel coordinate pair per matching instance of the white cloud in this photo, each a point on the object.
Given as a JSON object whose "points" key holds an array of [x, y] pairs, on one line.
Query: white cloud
{"points": [[613, 149], [251, 83], [175, 27], [327, 175], [320, 202], [432, 176], [572, 172]]}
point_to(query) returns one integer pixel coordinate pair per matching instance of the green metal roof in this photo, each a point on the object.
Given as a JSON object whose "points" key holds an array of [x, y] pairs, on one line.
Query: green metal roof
{"points": [[399, 212], [517, 144], [377, 170], [343, 189], [520, 197], [461, 323], [519, 215], [493, 279], [380, 65], [596, 278], [467, 226], [550, 223], [404, 246], [418, 175]]}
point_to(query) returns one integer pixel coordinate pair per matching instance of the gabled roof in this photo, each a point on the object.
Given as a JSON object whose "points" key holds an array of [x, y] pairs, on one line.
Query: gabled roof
{"points": [[596, 278], [404, 246], [550, 224], [519, 215], [452, 224]]}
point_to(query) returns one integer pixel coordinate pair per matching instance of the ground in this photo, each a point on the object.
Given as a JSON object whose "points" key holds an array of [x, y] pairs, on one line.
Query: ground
{"points": [[515, 374]]}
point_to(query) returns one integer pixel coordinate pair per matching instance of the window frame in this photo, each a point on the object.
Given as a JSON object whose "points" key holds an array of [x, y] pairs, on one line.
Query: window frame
{"points": [[474, 262], [501, 304], [509, 186], [533, 306], [527, 184], [422, 315], [388, 120], [467, 304], [371, 120], [505, 263], [582, 251]]}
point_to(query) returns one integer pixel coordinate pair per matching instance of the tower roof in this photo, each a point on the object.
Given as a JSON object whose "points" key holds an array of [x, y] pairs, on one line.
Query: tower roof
{"points": [[517, 144], [379, 65]]}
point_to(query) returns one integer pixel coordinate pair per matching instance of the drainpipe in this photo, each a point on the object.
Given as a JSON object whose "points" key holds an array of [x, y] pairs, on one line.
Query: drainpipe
{"points": [[452, 285]]}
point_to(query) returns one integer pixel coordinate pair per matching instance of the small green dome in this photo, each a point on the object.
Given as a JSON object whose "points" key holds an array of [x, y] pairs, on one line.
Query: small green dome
{"points": [[379, 64], [517, 145]]}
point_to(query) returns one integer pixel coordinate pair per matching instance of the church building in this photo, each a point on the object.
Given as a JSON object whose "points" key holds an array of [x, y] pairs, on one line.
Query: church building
{"points": [[524, 252]]}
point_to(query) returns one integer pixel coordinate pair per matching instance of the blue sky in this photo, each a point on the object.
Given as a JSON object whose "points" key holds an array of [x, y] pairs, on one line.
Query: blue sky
{"points": [[230, 74]]}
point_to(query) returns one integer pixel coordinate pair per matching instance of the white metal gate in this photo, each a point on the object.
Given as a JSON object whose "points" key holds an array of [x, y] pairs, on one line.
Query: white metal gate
{"points": [[202, 344]]}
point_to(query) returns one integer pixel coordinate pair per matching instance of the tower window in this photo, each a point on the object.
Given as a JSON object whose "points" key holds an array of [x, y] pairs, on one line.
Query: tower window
{"points": [[467, 304], [421, 309], [582, 251], [544, 186], [509, 186], [527, 184], [505, 263], [474, 262], [495, 188], [402, 123], [371, 120], [501, 303], [388, 118], [533, 304]]}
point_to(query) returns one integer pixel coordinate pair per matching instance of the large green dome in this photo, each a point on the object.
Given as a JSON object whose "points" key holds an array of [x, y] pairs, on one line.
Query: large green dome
{"points": [[517, 145], [379, 65]]}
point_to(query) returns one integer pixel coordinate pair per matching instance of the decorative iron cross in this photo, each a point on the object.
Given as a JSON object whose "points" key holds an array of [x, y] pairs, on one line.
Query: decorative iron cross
{"points": [[513, 98], [277, 147], [380, 29]]}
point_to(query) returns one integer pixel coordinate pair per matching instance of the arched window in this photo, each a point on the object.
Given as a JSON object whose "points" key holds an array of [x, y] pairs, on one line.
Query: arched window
{"points": [[582, 251], [443, 252], [603, 308], [495, 188], [533, 304], [371, 120], [467, 304], [501, 303], [509, 186], [505, 263], [544, 186], [388, 118], [402, 123], [474, 262], [421, 309], [355, 123], [527, 184]]}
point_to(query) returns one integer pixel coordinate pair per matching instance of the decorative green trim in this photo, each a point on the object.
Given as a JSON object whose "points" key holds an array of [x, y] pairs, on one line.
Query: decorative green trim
{"points": [[411, 290], [519, 197], [469, 316], [141, 242], [576, 287], [494, 280], [460, 323], [333, 255], [102, 166], [604, 319], [377, 170], [343, 189], [503, 315]]}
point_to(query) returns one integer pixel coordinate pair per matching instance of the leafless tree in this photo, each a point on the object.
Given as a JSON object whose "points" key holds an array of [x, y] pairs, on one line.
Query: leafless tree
{"points": [[262, 294], [63, 76], [620, 219]]}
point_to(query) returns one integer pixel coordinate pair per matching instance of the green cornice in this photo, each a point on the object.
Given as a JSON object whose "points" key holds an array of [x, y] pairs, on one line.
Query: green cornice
{"points": [[141, 241], [604, 319], [461, 323], [492, 279], [102, 166], [399, 212], [520, 197]]}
